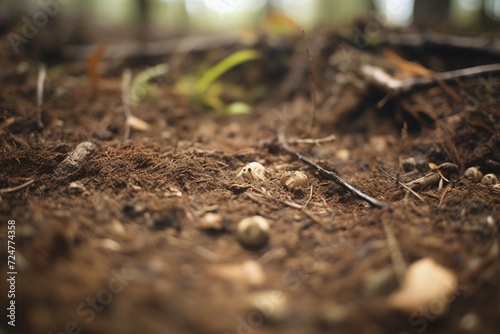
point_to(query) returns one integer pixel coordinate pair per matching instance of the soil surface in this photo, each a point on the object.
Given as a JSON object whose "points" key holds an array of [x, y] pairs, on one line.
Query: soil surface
{"points": [[141, 237]]}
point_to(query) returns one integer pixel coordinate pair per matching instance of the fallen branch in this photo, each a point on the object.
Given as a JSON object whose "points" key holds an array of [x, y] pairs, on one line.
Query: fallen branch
{"points": [[42, 75], [330, 174]]}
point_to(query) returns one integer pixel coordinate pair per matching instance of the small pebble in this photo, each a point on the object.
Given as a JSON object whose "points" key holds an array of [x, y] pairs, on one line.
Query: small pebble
{"points": [[489, 180], [496, 188], [334, 314], [253, 231], [76, 187], [247, 273], [273, 304], [470, 322], [211, 221], [343, 154], [473, 174]]}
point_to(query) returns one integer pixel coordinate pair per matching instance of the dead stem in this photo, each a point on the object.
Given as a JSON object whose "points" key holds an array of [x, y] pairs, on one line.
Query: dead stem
{"points": [[383, 79], [312, 141], [330, 174], [127, 78], [443, 195], [42, 75], [309, 199], [12, 189], [431, 178], [397, 259], [402, 185], [312, 84]]}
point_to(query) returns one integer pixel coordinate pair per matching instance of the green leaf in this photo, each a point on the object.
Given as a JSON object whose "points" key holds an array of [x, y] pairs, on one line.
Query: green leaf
{"points": [[238, 108], [212, 74]]}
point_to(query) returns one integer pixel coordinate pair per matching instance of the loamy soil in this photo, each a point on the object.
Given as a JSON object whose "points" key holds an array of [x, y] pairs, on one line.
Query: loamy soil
{"points": [[121, 245]]}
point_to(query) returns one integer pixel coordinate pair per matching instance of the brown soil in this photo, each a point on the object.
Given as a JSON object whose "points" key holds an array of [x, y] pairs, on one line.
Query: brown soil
{"points": [[134, 207]]}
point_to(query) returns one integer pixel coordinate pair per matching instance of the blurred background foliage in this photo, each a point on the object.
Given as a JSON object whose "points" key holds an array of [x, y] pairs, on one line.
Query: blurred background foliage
{"points": [[175, 16]]}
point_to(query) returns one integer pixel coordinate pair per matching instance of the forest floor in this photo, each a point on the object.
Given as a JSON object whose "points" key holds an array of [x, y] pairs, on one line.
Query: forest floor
{"points": [[142, 236]]}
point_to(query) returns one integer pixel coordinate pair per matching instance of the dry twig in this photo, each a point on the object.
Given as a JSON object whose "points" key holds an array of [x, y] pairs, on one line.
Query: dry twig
{"points": [[127, 78], [312, 83], [397, 258], [12, 189], [381, 78], [402, 185], [311, 141], [330, 174], [431, 178], [42, 75]]}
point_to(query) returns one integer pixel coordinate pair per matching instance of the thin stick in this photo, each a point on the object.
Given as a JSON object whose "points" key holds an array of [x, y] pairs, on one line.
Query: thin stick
{"points": [[403, 185], [12, 189], [309, 199], [312, 83], [330, 174], [397, 258], [391, 84], [42, 75], [127, 78], [443, 195], [311, 141]]}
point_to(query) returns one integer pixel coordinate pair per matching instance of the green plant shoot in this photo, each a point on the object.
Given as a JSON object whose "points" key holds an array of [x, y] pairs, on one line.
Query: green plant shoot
{"points": [[140, 88], [224, 66]]}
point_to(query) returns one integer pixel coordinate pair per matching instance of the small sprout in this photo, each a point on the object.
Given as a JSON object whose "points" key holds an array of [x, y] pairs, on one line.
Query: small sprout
{"points": [[253, 231], [293, 180], [473, 174], [489, 180], [140, 88], [253, 171]]}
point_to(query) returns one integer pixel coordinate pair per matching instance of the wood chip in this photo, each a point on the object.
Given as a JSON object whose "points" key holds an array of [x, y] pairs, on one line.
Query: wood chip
{"points": [[76, 158]]}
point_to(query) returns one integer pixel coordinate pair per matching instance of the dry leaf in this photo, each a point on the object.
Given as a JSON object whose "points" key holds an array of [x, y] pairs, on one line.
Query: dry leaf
{"points": [[93, 63]]}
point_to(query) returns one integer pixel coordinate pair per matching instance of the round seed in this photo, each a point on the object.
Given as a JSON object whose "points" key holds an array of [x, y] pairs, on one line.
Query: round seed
{"points": [[253, 231], [489, 180]]}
